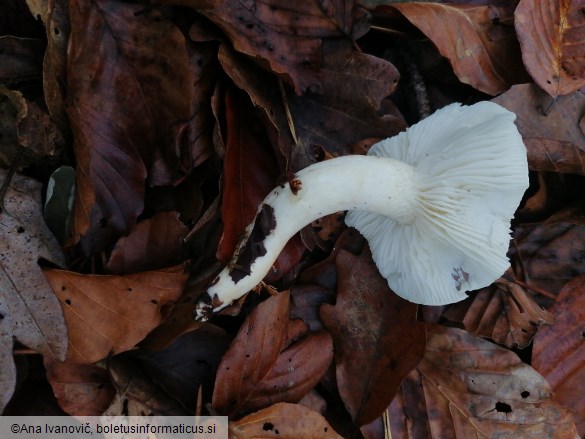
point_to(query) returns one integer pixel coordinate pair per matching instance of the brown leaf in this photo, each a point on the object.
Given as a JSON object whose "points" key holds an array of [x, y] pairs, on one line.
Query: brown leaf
{"points": [[468, 387], [262, 367], [111, 314], [354, 87], [559, 350], [553, 45], [550, 130], [125, 102], [283, 420], [503, 312], [19, 59], [552, 251], [371, 320], [137, 394], [152, 244], [80, 389], [269, 32], [29, 310], [188, 364], [481, 47]]}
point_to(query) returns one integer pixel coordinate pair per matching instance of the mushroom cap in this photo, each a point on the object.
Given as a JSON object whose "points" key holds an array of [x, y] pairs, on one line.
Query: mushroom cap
{"points": [[471, 172]]}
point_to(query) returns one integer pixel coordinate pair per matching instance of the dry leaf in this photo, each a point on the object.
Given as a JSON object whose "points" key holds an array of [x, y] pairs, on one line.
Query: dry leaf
{"points": [[124, 136], [264, 365], [152, 244], [467, 387], [371, 320], [481, 47], [559, 350], [552, 37], [285, 421], [503, 312], [80, 389], [550, 130], [29, 310], [111, 314]]}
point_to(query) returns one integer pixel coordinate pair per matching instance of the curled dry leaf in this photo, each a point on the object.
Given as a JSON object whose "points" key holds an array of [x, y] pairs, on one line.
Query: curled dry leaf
{"points": [[371, 320], [111, 314], [266, 364], [152, 244], [559, 350], [29, 310], [550, 130], [467, 387], [553, 45], [477, 40], [285, 421], [125, 102], [504, 312], [80, 389]]}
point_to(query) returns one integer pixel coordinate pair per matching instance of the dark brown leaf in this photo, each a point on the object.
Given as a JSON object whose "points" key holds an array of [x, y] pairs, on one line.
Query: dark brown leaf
{"points": [[263, 366], [371, 320], [152, 244], [19, 59], [559, 350], [552, 37], [549, 129], [80, 389], [125, 102]]}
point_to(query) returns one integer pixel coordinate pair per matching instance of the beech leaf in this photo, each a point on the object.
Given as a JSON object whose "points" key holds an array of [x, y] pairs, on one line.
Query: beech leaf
{"points": [[285, 421], [559, 350], [370, 319], [111, 314], [553, 45], [468, 387], [29, 310], [262, 367]]}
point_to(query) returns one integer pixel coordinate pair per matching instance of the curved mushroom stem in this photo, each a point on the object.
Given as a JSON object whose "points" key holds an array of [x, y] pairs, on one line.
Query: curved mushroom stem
{"points": [[367, 183]]}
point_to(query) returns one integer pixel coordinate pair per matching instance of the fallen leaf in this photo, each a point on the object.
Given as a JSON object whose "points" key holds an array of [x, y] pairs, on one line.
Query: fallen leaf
{"points": [[370, 319], [80, 389], [137, 394], [551, 252], [559, 350], [263, 367], [152, 244], [550, 130], [503, 312], [283, 420], [354, 86], [29, 310], [269, 32], [111, 314], [188, 364], [125, 102], [551, 37], [477, 40], [19, 59], [468, 387]]}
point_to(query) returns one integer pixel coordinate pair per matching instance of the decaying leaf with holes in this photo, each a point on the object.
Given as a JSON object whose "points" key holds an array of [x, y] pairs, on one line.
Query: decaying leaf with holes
{"points": [[29, 311]]}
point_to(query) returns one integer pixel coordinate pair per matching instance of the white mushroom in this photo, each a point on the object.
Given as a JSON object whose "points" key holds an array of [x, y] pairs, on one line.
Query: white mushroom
{"points": [[434, 202]]}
